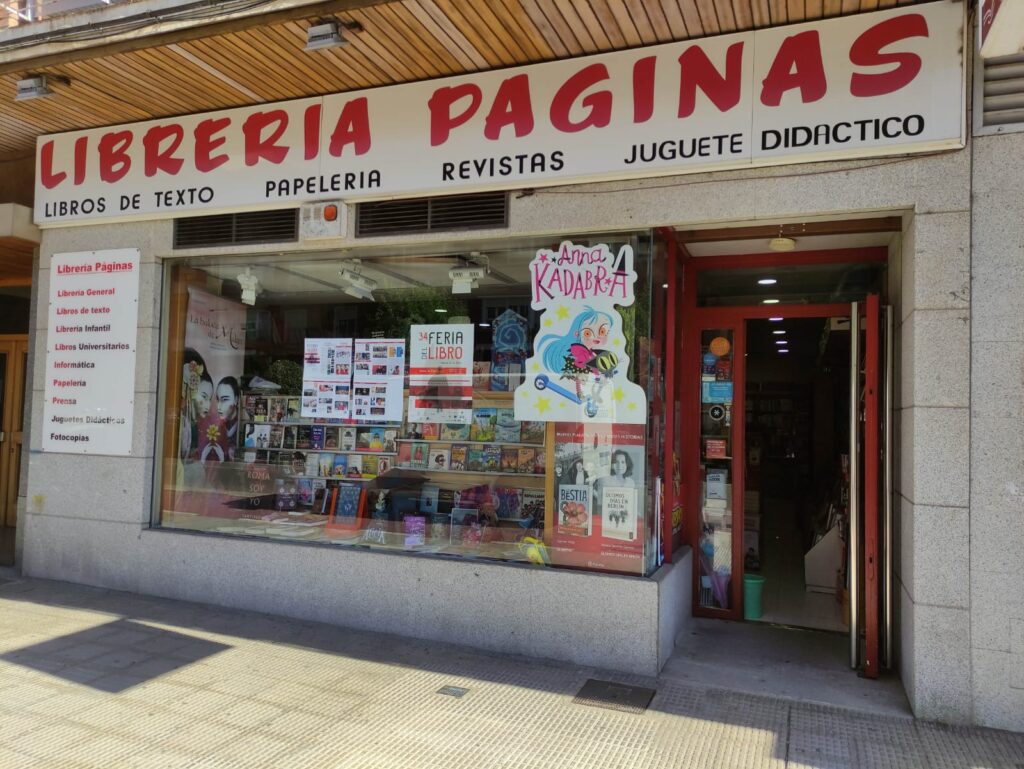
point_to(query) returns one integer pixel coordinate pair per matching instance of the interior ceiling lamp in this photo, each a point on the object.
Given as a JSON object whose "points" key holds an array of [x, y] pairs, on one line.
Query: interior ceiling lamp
{"points": [[36, 86], [327, 34], [358, 285], [781, 244], [466, 276], [250, 286]]}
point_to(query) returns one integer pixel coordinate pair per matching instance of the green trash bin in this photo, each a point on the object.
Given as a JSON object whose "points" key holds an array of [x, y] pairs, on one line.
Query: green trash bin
{"points": [[753, 586]]}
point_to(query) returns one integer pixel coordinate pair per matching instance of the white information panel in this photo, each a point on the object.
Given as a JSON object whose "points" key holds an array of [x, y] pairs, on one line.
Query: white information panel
{"points": [[90, 352]]}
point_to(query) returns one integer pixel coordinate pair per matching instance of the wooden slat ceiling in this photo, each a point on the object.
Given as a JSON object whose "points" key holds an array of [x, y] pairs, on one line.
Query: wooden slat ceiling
{"points": [[400, 42], [15, 261]]}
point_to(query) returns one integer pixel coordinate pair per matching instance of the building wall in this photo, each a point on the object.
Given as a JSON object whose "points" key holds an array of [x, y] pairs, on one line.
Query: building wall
{"points": [[91, 526], [996, 527]]}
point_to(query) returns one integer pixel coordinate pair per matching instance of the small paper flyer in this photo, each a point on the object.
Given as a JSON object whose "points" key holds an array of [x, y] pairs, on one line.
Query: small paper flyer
{"points": [[326, 378], [377, 400]]}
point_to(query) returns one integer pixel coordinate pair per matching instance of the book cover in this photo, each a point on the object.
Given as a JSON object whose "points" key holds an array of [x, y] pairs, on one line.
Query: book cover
{"points": [[369, 467], [355, 466], [420, 451], [390, 440], [431, 431], [325, 465], [312, 464], [574, 510], [347, 507], [383, 465], [316, 437], [348, 439], [618, 513], [454, 432], [370, 439], [540, 461], [533, 506], [459, 457], [277, 409], [509, 459], [484, 424], [304, 437], [276, 439], [339, 468], [249, 456], [475, 459], [412, 431], [510, 503], [414, 527], [440, 458], [465, 525], [492, 458], [525, 460], [319, 488], [261, 436], [305, 490], [249, 407], [428, 498], [404, 458], [331, 438], [506, 429], [290, 435], [292, 412], [481, 375], [532, 432], [260, 409], [262, 456]]}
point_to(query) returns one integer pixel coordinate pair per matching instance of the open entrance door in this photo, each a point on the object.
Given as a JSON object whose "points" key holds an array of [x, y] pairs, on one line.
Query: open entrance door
{"points": [[870, 508], [13, 359], [777, 502]]}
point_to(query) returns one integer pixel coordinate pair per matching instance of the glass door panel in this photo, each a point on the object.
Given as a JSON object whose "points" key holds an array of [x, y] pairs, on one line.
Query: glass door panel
{"points": [[718, 450]]}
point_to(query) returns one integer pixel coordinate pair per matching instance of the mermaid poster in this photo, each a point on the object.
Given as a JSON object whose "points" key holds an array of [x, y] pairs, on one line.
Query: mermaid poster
{"points": [[578, 372]]}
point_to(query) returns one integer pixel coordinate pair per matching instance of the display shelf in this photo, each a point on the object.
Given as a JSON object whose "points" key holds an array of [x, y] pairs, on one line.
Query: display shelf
{"points": [[472, 472], [322, 450], [447, 442]]}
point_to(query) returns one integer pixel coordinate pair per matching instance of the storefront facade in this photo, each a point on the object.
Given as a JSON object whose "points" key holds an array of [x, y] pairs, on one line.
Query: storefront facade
{"points": [[513, 565]]}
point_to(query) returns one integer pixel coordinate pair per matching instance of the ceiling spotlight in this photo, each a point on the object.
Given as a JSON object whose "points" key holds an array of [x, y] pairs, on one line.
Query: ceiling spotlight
{"points": [[35, 87], [484, 325], [327, 34], [779, 331], [467, 275], [250, 286], [783, 349], [440, 310], [782, 244], [769, 301], [767, 282], [358, 285], [776, 319], [781, 341]]}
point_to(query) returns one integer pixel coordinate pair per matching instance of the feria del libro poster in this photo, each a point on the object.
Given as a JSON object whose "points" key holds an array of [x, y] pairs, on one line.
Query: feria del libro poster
{"points": [[578, 372]]}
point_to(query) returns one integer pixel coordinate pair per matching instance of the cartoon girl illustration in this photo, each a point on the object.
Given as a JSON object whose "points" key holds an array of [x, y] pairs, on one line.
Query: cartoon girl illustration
{"points": [[581, 351]]}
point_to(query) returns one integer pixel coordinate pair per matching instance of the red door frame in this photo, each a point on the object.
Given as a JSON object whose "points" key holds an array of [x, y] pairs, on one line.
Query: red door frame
{"points": [[696, 319]]}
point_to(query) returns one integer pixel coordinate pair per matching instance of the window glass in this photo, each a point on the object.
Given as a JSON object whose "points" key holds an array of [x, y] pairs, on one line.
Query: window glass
{"points": [[301, 407]]}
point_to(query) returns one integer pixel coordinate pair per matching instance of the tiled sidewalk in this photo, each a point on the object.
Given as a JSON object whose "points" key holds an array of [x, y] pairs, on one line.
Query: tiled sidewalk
{"points": [[95, 678]]}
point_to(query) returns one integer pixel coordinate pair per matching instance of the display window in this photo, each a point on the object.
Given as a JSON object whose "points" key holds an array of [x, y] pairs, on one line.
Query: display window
{"points": [[486, 401]]}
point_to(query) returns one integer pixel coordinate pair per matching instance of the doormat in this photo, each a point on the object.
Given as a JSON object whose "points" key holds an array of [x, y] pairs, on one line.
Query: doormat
{"points": [[608, 694]]}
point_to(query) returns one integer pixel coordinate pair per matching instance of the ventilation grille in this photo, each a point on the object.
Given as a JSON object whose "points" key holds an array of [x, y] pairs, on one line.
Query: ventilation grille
{"points": [[280, 226], [453, 212], [1003, 90]]}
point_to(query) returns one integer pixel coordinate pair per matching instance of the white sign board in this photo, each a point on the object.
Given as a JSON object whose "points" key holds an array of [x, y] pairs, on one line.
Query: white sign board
{"points": [[883, 83], [578, 372], [326, 378], [90, 352], [441, 373]]}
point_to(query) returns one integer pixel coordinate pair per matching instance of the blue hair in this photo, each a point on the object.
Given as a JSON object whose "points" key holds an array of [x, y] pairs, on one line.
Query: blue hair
{"points": [[555, 348]]}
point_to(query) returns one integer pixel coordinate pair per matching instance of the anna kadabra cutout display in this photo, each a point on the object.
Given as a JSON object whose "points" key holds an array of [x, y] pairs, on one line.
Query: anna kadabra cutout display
{"points": [[579, 364]]}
